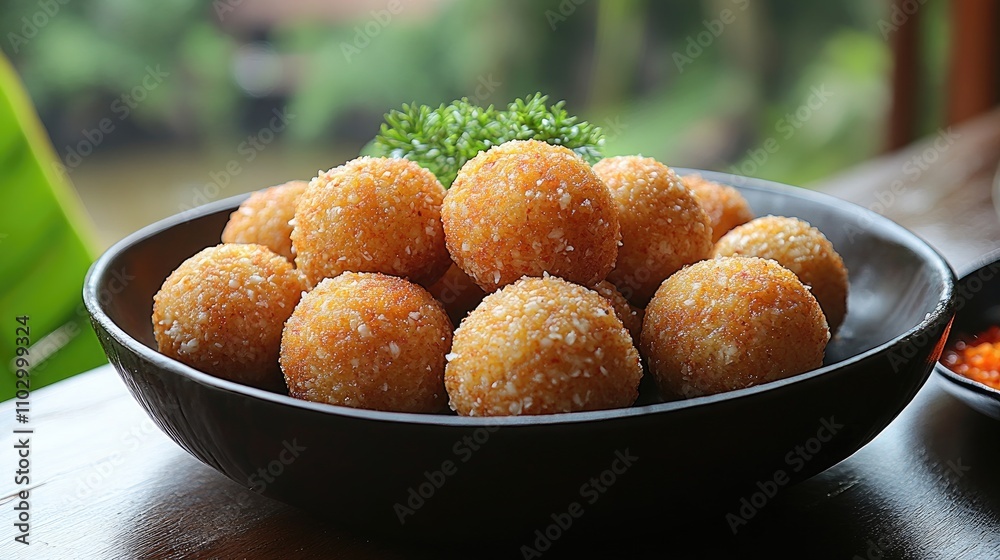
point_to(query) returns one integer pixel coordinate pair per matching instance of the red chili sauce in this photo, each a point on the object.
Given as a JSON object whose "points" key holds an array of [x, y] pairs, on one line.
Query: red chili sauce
{"points": [[977, 358]]}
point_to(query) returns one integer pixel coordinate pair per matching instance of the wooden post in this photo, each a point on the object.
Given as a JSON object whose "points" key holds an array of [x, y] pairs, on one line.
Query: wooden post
{"points": [[974, 61], [905, 79]]}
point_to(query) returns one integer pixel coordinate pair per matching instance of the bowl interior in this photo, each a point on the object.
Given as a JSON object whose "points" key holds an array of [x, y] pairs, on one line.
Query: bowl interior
{"points": [[896, 281]]}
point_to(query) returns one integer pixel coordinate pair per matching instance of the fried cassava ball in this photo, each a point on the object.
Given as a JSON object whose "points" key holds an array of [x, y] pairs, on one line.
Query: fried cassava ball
{"points": [[630, 315], [541, 346], [525, 208], [371, 215], [799, 247], [223, 309], [663, 225], [368, 340], [730, 323], [264, 218], [725, 206]]}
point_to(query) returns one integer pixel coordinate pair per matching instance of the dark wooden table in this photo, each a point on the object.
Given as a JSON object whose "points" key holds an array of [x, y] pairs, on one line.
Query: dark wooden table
{"points": [[106, 483]]}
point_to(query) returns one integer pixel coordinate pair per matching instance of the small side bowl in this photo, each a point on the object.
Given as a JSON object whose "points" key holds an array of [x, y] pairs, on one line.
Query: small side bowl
{"points": [[977, 305], [447, 478]]}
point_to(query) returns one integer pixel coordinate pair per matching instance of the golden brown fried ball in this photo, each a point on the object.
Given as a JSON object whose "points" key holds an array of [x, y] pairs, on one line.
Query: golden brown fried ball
{"points": [[729, 323], [663, 225], [372, 215], [263, 218], [799, 247], [725, 206], [223, 309], [458, 292], [541, 346], [368, 340], [525, 208], [629, 315]]}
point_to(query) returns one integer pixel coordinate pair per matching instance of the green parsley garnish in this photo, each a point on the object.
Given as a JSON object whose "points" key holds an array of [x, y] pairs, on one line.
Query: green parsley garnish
{"points": [[443, 139]]}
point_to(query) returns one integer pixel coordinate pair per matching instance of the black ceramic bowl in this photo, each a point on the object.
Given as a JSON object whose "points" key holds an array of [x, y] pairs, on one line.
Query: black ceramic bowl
{"points": [[441, 476], [977, 304]]}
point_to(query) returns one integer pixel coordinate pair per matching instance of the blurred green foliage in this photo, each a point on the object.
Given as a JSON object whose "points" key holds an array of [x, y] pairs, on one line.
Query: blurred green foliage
{"points": [[615, 62], [46, 247]]}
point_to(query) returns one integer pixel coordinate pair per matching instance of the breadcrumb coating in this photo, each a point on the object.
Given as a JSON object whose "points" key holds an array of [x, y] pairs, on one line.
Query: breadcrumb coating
{"points": [[799, 247], [730, 323], [725, 206], [541, 346], [525, 208], [629, 315], [663, 225], [223, 309], [368, 340], [264, 219], [371, 215]]}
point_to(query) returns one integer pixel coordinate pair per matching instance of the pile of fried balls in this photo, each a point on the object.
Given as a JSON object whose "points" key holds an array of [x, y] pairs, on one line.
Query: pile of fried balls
{"points": [[565, 281]]}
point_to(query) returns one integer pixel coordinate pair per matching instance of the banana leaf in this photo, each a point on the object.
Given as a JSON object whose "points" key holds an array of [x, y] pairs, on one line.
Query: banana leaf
{"points": [[46, 246]]}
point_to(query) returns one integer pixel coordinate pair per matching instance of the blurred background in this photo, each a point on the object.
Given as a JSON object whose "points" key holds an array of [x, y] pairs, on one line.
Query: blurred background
{"points": [[156, 108], [184, 87]]}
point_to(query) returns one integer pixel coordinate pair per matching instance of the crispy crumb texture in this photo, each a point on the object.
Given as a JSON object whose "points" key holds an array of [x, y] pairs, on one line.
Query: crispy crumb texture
{"points": [[368, 340], [264, 219], [525, 208], [541, 346], [629, 315], [730, 323], [223, 309], [725, 206], [371, 215], [663, 225], [799, 247]]}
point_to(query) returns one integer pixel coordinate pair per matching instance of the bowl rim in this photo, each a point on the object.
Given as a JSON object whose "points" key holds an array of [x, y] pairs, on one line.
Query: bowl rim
{"points": [[966, 383], [989, 259], [941, 313]]}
